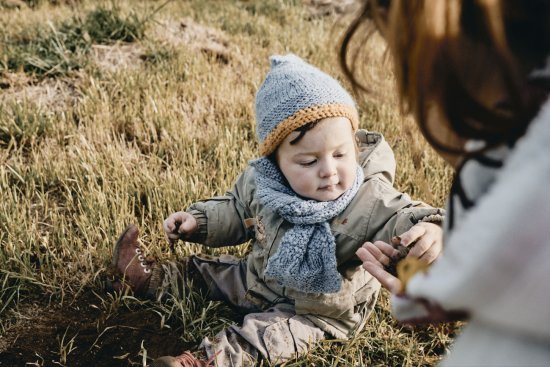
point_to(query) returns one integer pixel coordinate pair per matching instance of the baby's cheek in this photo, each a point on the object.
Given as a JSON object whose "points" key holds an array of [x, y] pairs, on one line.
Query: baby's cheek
{"points": [[296, 185], [306, 185], [348, 177]]}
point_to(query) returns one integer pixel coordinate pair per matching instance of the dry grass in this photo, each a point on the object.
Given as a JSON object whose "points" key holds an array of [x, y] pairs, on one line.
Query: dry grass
{"points": [[134, 139]]}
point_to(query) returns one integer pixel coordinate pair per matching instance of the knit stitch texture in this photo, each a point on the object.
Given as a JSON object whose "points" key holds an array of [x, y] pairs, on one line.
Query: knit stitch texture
{"points": [[293, 94], [306, 257]]}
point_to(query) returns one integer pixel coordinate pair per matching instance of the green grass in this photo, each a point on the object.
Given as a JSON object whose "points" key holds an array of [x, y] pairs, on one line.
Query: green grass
{"points": [[55, 50], [136, 143]]}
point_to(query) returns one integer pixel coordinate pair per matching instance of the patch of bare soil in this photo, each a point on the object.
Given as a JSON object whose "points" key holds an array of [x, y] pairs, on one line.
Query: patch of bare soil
{"points": [[80, 334], [12, 4], [117, 56], [327, 7], [196, 36], [20, 4], [54, 94]]}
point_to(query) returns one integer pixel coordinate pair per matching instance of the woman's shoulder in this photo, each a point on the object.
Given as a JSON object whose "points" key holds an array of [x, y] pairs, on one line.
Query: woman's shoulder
{"points": [[537, 136], [533, 148]]}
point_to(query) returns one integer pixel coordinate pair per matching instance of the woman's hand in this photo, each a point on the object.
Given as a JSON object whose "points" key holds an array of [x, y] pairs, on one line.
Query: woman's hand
{"points": [[178, 225], [376, 256]]}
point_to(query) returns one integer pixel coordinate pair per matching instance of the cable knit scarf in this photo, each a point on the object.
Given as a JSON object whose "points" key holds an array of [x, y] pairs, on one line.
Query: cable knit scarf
{"points": [[306, 258]]}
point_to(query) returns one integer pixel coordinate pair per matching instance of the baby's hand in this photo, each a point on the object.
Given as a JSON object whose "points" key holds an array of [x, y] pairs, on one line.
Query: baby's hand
{"points": [[426, 240], [179, 225]]}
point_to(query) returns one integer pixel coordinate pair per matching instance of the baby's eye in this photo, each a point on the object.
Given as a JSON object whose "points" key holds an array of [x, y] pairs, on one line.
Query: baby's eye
{"points": [[308, 163], [339, 155]]}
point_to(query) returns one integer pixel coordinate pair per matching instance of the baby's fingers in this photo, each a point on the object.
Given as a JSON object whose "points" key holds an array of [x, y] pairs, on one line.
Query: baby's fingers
{"points": [[173, 223], [428, 246], [426, 250], [172, 236], [420, 247], [169, 225], [413, 234]]}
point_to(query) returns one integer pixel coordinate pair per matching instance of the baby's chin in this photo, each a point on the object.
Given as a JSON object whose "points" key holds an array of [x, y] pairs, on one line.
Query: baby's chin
{"points": [[328, 195]]}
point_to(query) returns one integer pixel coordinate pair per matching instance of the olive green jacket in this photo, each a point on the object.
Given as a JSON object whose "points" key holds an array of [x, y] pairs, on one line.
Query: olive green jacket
{"points": [[377, 212]]}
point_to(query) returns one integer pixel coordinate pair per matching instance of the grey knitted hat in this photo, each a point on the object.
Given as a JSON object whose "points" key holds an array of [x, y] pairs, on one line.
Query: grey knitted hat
{"points": [[293, 94]]}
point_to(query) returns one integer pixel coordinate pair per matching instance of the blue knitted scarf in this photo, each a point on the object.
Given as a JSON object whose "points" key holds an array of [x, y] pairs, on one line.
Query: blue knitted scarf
{"points": [[306, 257]]}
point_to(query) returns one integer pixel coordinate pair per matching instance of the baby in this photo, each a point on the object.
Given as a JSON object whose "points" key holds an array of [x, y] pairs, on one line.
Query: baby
{"points": [[320, 190]]}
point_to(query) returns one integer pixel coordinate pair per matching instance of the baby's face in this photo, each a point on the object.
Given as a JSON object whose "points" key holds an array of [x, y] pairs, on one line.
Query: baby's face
{"points": [[322, 164]]}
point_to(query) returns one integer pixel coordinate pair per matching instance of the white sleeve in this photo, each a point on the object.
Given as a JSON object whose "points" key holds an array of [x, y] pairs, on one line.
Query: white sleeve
{"points": [[496, 262]]}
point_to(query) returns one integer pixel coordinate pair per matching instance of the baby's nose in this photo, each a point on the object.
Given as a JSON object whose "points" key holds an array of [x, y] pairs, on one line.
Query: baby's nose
{"points": [[328, 168]]}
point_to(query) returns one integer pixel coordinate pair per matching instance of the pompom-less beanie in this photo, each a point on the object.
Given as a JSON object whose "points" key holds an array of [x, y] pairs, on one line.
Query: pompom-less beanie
{"points": [[293, 94]]}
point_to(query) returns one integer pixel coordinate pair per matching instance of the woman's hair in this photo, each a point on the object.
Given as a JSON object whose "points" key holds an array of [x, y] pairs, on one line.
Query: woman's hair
{"points": [[464, 67]]}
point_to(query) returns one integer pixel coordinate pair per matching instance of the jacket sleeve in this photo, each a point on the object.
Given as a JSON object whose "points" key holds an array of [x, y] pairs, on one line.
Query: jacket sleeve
{"points": [[221, 219], [392, 213]]}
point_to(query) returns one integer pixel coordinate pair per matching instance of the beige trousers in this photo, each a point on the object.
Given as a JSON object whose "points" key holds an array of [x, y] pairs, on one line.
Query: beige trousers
{"points": [[276, 334]]}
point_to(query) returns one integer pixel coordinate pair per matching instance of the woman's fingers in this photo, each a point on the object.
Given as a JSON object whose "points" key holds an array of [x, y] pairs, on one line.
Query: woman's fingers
{"points": [[378, 252], [366, 256], [375, 256], [388, 250], [387, 280]]}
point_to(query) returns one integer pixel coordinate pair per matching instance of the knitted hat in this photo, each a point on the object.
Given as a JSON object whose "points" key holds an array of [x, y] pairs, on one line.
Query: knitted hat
{"points": [[293, 94]]}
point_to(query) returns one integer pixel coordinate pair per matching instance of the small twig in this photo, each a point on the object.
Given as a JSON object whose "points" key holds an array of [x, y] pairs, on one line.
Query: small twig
{"points": [[403, 251]]}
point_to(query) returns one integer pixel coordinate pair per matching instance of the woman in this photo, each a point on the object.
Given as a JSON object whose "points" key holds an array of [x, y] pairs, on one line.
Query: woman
{"points": [[475, 74]]}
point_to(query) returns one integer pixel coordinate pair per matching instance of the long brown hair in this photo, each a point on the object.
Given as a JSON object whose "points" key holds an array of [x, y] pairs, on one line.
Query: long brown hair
{"points": [[462, 66]]}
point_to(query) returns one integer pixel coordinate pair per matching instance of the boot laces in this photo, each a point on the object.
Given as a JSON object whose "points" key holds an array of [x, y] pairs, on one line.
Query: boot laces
{"points": [[145, 262]]}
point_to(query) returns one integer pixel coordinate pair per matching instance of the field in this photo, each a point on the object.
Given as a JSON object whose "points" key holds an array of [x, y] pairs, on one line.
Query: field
{"points": [[123, 112]]}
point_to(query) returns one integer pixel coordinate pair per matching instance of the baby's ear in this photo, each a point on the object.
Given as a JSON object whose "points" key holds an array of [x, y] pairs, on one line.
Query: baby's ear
{"points": [[273, 157]]}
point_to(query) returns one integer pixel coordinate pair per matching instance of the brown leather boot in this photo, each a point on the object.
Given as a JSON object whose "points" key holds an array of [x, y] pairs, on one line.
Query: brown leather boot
{"points": [[187, 359], [130, 264]]}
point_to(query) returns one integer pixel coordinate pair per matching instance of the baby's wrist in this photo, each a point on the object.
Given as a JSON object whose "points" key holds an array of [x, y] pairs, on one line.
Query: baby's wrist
{"points": [[200, 231]]}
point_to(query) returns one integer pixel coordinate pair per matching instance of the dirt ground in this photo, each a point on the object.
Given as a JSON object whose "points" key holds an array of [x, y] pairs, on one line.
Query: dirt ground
{"points": [[74, 334]]}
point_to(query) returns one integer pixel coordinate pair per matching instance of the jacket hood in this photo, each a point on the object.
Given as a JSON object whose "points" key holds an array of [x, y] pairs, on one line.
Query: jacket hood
{"points": [[375, 155]]}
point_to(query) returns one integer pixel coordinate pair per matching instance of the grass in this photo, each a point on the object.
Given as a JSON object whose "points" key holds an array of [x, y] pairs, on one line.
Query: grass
{"points": [[135, 143], [55, 50]]}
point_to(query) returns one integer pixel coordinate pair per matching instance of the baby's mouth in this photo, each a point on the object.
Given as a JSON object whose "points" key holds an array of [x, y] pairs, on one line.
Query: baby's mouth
{"points": [[329, 187]]}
